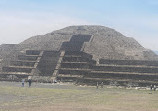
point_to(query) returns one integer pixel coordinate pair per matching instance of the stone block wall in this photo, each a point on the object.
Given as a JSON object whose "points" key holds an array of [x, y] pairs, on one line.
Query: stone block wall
{"points": [[22, 63], [48, 63], [28, 58], [120, 68], [16, 69], [32, 52], [128, 62]]}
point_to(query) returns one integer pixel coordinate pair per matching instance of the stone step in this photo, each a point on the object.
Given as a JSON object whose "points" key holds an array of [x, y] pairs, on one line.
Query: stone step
{"points": [[25, 67], [15, 73], [74, 62], [125, 69], [75, 65], [83, 54], [76, 69], [15, 69], [73, 72], [75, 59], [125, 73], [68, 75], [32, 52], [75, 56], [129, 62], [28, 58], [22, 63], [31, 55], [143, 66], [78, 59]]}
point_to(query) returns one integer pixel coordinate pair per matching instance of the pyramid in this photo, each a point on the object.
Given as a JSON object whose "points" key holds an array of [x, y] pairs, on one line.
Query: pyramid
{"points": [[82, 54]]}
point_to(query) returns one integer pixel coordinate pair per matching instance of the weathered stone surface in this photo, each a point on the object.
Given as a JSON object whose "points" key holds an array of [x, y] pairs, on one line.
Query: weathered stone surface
{"points": [[105, 43]]}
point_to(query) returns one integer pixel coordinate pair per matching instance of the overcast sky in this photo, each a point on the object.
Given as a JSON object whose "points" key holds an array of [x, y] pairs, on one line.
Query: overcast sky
{"points": [[21, 19]]}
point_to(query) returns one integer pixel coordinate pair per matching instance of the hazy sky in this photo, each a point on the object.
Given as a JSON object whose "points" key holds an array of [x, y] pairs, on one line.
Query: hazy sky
{"points": [[21, 19]]}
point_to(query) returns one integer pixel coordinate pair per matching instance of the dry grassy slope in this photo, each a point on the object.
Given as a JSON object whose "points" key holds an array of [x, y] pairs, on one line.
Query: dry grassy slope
{"points": [[106, 43]]}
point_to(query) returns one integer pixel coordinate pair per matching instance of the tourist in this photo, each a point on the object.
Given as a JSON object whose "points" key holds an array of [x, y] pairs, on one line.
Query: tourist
{"points": [[97, 85], [23, 81], [151, 87], [29, 82], [154, 87], [102, 84]]}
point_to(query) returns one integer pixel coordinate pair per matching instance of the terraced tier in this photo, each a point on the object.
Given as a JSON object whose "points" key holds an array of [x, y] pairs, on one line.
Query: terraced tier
{"points": [[123, 75], [23, 63], [17, 69], [116, 82], [120, 68], [16, 73], [33, 52], [73, 71], [28, 57], [79, 67], [129, 62], [75, 65], [82, 65]]}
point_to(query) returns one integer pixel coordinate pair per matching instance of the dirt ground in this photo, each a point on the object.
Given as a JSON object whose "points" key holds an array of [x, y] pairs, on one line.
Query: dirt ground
{"points": [[68, 97]]}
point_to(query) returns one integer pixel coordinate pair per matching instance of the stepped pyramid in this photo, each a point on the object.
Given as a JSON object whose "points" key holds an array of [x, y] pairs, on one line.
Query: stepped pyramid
{"points": [[81, 54]]}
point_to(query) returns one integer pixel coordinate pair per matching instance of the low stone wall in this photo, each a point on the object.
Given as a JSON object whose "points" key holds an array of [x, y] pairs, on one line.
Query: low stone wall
{"points": [[128, 62], [15, 69], [116, 75], [22, 63], [73, 72], [75, 59], [32, 52], [126, 69], [78, 53], [75, 65], [29, 58]]}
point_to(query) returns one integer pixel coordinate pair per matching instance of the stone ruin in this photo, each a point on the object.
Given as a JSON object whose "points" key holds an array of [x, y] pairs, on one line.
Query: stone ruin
{"points": [[82, 55]]}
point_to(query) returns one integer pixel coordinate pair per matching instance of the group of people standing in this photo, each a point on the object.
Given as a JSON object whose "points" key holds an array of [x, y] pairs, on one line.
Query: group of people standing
{"points": [[153, 87], [101, 85], [23, 82]]}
